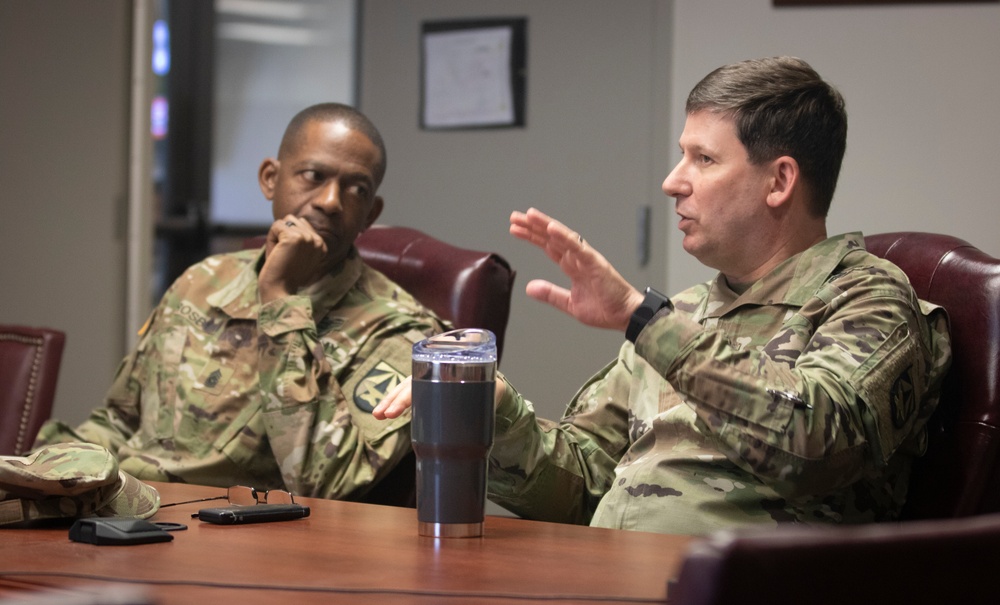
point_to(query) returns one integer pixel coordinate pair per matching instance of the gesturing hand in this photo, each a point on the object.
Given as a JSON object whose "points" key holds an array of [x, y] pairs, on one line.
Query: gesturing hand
{"points": [[598, 295]]}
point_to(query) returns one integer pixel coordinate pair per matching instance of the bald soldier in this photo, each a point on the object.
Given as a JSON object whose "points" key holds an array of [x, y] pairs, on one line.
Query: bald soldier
{"points": [[262, 367]]}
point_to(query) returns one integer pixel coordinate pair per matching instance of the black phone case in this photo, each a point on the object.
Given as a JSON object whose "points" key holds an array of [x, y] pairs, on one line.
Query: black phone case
{"points": [[254, 513], [117, 531]]}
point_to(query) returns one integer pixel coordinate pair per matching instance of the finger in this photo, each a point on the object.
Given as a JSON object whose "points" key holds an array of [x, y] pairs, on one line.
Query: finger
{"points": [[523, 226], [518, 218], [500, 389], [401, 401], [535, 215], [278, 227], [549, 293], [281, 228], [565, 237], [294, 229], [397, 401]]}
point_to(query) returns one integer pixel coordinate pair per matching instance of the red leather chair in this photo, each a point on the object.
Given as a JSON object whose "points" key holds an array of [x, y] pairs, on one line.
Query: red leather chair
{"points": [[469, 288], [29, 369], [915, 562], [960, 473]]}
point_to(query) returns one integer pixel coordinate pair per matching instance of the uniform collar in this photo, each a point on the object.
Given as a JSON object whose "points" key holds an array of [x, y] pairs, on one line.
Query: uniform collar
{"points": [[792, 282], [239, 298]]}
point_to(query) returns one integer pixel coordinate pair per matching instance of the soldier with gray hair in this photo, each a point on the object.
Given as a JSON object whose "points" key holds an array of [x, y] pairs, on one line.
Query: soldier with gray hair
{"points": [[792, 388], [261, 367]]}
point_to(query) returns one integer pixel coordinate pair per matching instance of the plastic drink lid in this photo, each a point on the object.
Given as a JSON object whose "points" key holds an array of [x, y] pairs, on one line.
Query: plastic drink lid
{"points": [[466, 345], [464, 355]]}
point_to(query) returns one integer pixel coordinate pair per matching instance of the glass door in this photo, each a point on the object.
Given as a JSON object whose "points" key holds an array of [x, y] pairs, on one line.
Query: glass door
{"points": [[224, 79]]}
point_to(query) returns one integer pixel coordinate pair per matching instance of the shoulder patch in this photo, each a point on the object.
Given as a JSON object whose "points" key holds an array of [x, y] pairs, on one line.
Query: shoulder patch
{"points": [[902, 399], [384, 368], [374, 386]]}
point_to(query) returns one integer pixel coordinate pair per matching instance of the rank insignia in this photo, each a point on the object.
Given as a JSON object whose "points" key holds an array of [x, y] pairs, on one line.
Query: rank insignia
{"points": [[213, 377]]}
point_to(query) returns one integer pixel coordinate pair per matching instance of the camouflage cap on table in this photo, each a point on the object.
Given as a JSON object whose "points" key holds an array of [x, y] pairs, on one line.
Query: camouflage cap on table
{"points": [[69, 481]]}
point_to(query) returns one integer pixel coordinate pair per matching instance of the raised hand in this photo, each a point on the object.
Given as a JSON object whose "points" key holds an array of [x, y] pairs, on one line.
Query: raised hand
{"points": [[598, 295]]}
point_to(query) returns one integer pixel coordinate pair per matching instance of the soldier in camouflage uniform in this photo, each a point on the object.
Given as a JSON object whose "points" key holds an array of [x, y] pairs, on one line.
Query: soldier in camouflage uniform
{"points": [[793, 388], [261, 367]]}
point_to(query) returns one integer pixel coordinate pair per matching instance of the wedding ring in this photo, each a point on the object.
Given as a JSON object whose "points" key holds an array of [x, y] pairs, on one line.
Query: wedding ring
{"points": [[289, 224]]}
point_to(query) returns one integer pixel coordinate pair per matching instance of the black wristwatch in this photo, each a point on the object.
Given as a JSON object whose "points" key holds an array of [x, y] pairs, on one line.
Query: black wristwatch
{"points": [[653, 303]]}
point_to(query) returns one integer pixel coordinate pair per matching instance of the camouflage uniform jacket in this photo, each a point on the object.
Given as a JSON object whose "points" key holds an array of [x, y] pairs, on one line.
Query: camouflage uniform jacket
{"points": [[221, 390], [803, 399]]}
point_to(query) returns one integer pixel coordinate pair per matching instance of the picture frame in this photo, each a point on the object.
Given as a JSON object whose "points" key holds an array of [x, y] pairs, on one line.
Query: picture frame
{"points": [[473, 74], [874, 2]]}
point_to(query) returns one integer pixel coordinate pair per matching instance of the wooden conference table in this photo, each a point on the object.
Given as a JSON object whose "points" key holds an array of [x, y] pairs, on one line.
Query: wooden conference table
{"points": [[346, 552]]}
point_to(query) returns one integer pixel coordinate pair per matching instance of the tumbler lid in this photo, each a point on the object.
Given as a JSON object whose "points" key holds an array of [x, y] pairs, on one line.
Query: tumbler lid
{"points": [[466, 345], [474, 350]]}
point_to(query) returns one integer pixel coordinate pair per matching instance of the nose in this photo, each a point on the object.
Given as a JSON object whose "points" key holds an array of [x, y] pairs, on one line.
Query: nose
{"points": [[676, 184], [328, 198]]}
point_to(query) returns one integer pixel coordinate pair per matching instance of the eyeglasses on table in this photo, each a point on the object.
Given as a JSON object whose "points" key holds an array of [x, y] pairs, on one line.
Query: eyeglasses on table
{"points": [[241, 495]]}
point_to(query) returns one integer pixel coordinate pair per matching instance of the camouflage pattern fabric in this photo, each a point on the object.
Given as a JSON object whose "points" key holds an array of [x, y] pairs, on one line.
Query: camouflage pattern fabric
{"points": [[70, 480], [802, 400], [223, 391]]}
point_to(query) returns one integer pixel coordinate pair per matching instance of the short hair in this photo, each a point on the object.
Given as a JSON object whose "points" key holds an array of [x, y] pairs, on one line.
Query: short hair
{"points": [[334, 112], [781, 106]]}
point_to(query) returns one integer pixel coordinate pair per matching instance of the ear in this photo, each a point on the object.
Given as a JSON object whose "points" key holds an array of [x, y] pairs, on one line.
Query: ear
{"points": [[376, 210], [784, 181], [266, 176]]}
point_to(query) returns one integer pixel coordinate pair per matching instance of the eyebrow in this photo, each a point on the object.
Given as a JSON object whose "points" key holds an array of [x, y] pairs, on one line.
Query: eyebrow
{"points": [[696, 148], [327, 168]]}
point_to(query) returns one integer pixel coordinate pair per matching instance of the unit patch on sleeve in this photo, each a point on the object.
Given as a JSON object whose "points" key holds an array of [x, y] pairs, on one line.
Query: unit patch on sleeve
{"points": [[375, 385], [378, 374]]}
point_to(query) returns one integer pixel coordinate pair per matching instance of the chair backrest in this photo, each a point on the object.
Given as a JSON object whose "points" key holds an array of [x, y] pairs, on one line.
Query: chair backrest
{"points": [[960, 473], [29, 369], [469, 288], [930, 561]]}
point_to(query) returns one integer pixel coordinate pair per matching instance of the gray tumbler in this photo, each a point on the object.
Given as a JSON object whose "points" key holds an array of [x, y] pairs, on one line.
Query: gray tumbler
{"points": [[454, 375]]}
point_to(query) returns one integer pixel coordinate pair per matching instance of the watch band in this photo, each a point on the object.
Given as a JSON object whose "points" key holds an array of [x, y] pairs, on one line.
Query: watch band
{"points": [[652, 304]]}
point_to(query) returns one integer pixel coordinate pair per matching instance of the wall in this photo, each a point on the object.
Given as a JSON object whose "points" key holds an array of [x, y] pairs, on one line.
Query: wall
{"points": [[919, 81], [64, 123], [921, 87], [921, 149], [592, 154]]}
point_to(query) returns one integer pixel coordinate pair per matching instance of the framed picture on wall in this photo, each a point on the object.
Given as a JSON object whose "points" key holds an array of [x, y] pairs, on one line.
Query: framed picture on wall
{"points": [[831, 2], [473, 74]]}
